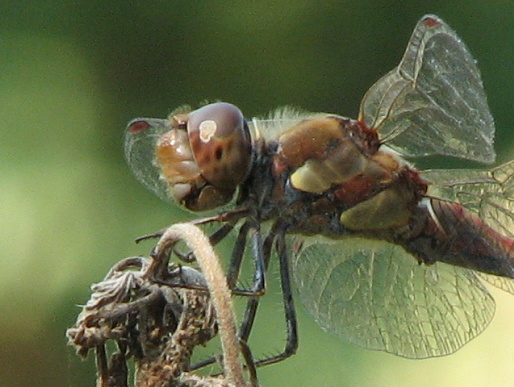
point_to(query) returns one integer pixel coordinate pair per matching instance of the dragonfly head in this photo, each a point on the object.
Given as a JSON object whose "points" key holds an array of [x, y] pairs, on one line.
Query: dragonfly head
{"points": [[202, 155]]}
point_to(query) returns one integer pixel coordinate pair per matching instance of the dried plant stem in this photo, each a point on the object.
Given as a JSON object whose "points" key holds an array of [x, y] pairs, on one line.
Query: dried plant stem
{"points": [[219, 292]]}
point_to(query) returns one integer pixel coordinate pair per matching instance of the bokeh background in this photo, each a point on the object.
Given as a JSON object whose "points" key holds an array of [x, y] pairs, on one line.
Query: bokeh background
{"points": [[72, 73]]}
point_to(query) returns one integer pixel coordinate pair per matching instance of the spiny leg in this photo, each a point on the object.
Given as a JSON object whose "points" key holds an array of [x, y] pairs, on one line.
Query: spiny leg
{"points": [[253, 302], [288, 301], [277, 236]]}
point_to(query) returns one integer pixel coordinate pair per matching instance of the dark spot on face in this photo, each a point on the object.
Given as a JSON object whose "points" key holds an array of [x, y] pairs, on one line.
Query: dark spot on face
{"points": [[219, 153]]}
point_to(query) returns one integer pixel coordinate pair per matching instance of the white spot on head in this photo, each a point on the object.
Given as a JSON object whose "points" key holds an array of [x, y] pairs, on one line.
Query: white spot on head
{"points": [[207, 129]]}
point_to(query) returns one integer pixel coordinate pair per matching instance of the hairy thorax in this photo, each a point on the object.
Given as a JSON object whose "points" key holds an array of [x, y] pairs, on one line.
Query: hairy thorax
{"points": [[330, 176]]}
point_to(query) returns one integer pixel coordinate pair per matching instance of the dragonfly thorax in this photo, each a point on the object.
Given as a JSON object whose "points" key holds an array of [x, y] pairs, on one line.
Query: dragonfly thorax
{"points": [[329, 175]]}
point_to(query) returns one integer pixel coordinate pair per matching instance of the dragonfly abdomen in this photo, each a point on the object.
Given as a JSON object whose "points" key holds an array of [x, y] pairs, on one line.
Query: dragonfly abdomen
{"points": [[458, 237]]}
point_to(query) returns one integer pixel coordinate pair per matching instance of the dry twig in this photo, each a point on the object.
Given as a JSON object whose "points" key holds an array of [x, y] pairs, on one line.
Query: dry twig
{"points": [[157, 313]]}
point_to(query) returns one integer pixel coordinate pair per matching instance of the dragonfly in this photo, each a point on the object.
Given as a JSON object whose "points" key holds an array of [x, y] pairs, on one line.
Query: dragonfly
{"points": [[389, 257]]}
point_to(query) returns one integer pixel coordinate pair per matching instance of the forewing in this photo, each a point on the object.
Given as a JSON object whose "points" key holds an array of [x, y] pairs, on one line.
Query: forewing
{"points": [[140, 153], [434, 101], [377, 296], [487, 193]]}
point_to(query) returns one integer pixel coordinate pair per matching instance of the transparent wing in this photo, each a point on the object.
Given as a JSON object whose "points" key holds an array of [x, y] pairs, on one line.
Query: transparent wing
{"points": [[140, 153], [376, 295], [434, 101], [487, 193]]}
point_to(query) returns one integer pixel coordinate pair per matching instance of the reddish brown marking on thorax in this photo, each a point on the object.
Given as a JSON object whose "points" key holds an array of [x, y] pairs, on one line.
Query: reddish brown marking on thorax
{"points": [[354, 191], [414, 176], [370, 136]]}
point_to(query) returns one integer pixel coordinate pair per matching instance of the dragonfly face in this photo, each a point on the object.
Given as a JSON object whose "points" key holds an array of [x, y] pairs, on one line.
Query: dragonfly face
{"points": [[344, 179]]}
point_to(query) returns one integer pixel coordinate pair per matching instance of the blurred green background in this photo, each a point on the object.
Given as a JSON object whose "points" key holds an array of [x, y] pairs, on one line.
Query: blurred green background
{"points": [[73, 73]]}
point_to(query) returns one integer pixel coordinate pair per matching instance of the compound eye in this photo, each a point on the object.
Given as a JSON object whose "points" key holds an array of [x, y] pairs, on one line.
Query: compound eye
{"points": [[221, 144]]}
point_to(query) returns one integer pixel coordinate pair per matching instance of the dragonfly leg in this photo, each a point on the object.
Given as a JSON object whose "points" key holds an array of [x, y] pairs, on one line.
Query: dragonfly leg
{"points": [[259, 278], [276, 236], [253, 302], [289, 309], [250, 363]]}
